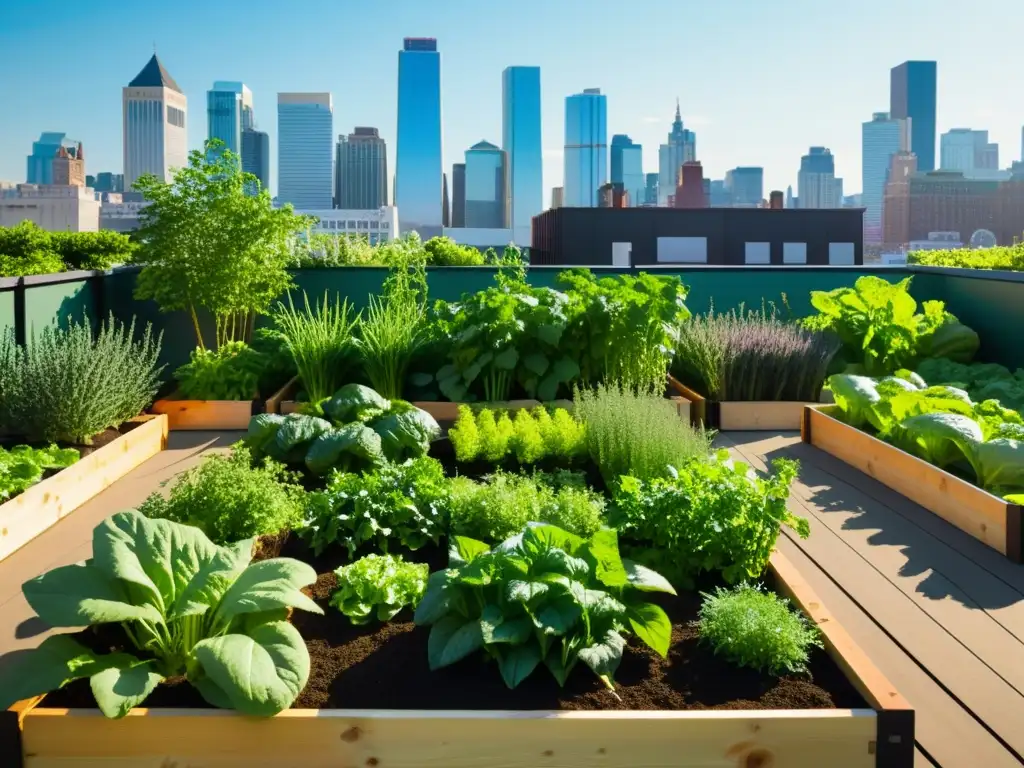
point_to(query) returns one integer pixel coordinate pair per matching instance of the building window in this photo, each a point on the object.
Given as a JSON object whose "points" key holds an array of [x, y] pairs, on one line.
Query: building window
{"points": [[682, 250], [840, 254], [758, 253], [794, 253], [383, 225], [351, 224], [176, 116]]}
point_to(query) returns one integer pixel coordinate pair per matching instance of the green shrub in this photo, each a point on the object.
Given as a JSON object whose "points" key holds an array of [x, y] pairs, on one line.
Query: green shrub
{"points": [[503, 505], [228, 498], [230, 373], [445, 252], [530, 436], [630, 432], [93, 250], [69, 384], [378, 586], [713, 515], [1008, 257], [404, 504], [757, 629]]}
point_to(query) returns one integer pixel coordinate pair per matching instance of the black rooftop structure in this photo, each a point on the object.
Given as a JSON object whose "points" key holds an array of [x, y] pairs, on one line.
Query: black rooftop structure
{"points": [[153, 75]]}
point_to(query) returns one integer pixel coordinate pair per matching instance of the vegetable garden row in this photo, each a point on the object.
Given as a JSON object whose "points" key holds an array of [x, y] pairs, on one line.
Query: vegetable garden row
{"points": [[442, 513]]}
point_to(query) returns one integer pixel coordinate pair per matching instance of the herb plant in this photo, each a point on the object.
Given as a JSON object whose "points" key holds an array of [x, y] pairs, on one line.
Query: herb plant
{"points": [[404, 504], [630, 432], [757, 629], [320, 340], [232, 372], [505, 503], [228, 498], [69, 384], [712, 515], [23, 466], [1008, 257], [378, 586], [529, 436], [445, 252], [187, 607], [753, 355], [546, 597]]}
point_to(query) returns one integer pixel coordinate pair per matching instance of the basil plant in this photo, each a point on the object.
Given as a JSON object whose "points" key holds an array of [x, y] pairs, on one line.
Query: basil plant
{"points": [[189, 607]]}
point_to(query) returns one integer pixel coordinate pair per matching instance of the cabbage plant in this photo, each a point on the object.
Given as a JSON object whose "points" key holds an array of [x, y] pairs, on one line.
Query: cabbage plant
{"points": [[188, 608]]}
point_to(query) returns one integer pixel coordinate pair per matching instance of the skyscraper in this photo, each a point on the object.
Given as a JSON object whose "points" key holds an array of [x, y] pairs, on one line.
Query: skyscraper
{"points": [[458, 195], [680, 148], [586, 148], [418, 154], [361, 171], [520, 138], [745, 187], [486, 180], [881, 138], [256, 155], [40, 162], [305, 129], [913, 94], [228, 113], [444, 201], [627, 168], [155, 124], [816, 182], [651, 189], [965, 150]]}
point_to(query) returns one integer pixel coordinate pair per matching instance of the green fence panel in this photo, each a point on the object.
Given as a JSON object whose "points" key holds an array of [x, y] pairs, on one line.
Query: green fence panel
{"points": [[7, 315], [49, 302]]}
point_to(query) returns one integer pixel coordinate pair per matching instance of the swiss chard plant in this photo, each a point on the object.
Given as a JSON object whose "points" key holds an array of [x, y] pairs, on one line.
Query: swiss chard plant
{"points": [[881, 329], [188, 609], [23, 466], [544, 597], [378, 586], [358, 429], [940, 424]]}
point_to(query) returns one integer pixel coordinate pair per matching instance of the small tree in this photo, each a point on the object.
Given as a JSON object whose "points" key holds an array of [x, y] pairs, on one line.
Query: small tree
{"points": [[207, 244]]}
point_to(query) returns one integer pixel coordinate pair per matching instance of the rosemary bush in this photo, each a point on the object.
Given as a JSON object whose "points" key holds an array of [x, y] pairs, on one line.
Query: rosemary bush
{"points": [[635, 432], [68, 384], [753, 355], [320, 341]]}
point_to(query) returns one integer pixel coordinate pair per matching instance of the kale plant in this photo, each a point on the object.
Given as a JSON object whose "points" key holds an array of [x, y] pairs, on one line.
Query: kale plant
{"points": [[378, 586], [188, 608]]}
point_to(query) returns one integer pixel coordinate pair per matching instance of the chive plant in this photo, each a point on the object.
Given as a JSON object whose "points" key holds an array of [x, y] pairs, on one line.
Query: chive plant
{"points": [[320, 339]]}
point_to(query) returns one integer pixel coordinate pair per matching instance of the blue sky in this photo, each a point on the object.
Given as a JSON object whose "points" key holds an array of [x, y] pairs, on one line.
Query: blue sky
{"points": [[758, 81]]}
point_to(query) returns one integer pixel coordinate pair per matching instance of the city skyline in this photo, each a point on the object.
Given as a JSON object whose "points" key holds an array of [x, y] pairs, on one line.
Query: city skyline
{"points": [[724, 104]]}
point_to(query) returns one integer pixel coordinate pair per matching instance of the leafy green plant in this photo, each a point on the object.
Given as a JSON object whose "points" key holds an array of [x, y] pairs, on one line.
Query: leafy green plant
{"points": [[209, 244], [232, 372], [361, 429], [712, 515], [622, 329], [982, 381], [445, 252], [505, 503], [188, 609], [68, 384], [1008, 257], [753, 355], [630, 432], [530, 436], [23, 466], [27, 249], [228, 498], [378, 586], [278, 366], [545, 596], [93, 250], [757, 629], [320, 340], [881, 329], [395, 328], [402, 503]]}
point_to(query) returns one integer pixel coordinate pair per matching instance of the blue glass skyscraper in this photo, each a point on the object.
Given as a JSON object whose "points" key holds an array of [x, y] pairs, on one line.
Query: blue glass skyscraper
{"points": [[586, 148], [305, 150], [486, 184], [228, 113], [913, 93], [520, 138], [40, 162], [627, 168], [418, 168]]}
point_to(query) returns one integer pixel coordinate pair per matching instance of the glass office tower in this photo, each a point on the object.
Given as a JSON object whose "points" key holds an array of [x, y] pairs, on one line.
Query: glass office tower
{"points": [[485, 206], [418, 168], [913, 94], [228, 113], [305, 150], [586, 148], [520, 138], [627, 168]]}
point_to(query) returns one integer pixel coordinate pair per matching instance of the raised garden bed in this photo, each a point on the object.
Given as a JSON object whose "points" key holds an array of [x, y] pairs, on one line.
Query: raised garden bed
{"points": [[42, 505], [739, 416], [204, 414], [400, 714], [988, 518]]}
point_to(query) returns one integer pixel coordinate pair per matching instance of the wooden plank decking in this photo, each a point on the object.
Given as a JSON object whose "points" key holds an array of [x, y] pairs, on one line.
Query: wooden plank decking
{"points": [[939, 613]]}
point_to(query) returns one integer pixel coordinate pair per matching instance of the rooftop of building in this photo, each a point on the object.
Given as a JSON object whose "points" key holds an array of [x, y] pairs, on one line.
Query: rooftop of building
{"points": [[153, 75]]}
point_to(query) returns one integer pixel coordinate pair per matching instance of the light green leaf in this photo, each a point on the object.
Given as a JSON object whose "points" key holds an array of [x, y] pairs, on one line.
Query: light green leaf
{"points": [[213, 579], [520, 591], [118, 689], [262, 673], [603, 551], [514, 632], [651, 625], [464, 550], [518, 663], [80, 595], [267, 585], [643, 578]]}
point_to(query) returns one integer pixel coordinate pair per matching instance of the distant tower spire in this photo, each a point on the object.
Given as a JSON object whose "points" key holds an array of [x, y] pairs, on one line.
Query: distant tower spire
{"points": [[679, 116]]}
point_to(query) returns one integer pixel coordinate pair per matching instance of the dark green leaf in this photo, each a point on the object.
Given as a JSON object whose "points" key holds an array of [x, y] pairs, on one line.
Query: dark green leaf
{"points": [[518, 663]]}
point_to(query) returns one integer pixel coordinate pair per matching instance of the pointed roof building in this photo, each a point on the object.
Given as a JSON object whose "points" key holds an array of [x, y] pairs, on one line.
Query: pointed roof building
{"points": [[153, 75]]}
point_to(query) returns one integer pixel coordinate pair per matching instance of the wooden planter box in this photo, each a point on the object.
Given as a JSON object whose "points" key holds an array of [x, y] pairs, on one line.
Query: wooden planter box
{"points": [[881, 736], [988, 518], [205, 414], [739, 416], [29, 514]]}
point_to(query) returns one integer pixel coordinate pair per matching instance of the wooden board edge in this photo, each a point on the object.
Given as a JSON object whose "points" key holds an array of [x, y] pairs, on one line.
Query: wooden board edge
{"points": [[216, 415], [735, 416], [286, 392], [1014, 532]]}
